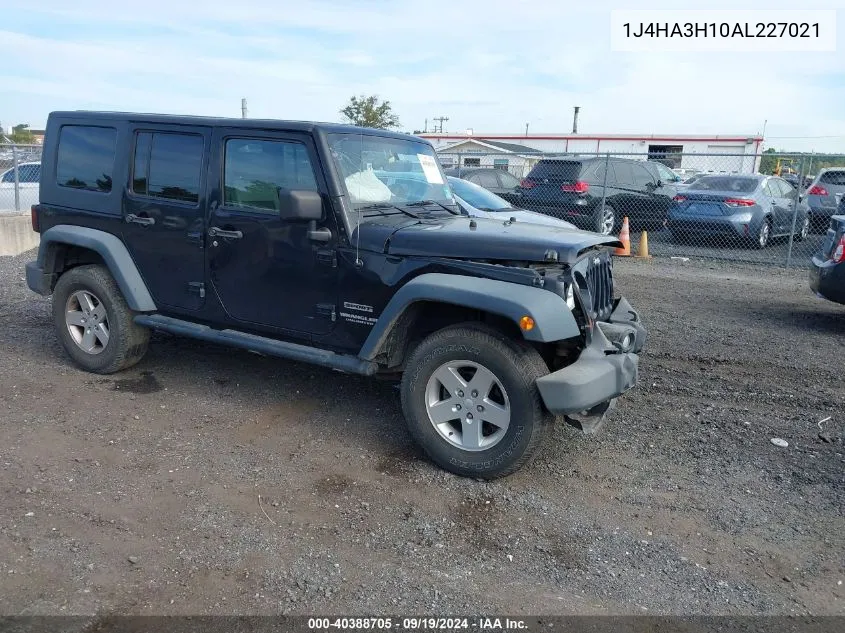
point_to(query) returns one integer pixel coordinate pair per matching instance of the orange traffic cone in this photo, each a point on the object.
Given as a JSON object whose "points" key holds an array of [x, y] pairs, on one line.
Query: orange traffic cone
{"points": [[625, 238]]}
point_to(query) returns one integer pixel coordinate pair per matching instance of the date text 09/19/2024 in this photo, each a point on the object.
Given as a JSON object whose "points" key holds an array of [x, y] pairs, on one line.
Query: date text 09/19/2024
{"points": [[417, 624]]}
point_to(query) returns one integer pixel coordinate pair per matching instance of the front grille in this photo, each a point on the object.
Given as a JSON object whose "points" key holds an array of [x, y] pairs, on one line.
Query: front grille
{"points": [[599, 281]]}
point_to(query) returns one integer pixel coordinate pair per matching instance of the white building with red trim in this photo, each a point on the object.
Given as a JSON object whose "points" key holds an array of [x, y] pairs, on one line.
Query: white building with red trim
{"points": [[518, 152]]}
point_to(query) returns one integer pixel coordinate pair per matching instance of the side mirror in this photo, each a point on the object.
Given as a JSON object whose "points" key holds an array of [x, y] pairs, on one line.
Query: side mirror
{"points": [[300, 204]]}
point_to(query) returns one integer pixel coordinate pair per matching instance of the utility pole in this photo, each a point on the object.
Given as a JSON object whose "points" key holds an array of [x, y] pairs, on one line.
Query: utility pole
{"points": [[575, 120], [526, 129], [243, 108], [441, 120]]}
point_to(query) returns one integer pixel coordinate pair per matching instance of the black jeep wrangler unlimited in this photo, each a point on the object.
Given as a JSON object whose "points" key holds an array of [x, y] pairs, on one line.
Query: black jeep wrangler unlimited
{"points": [[337, 246]]}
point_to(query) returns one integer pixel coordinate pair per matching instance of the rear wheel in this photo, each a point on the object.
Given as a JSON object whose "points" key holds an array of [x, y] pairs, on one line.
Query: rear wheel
{"points": [[470, 400], [94, 323], [605, 220], [764, 233]]}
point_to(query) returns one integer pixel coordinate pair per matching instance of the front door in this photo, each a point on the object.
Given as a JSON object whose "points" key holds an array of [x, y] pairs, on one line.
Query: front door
{"points": [[267, 271], [164, 213]]}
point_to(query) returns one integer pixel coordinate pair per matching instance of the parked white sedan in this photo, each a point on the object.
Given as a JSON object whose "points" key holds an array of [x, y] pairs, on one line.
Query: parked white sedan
{"points": [[29, 175]]}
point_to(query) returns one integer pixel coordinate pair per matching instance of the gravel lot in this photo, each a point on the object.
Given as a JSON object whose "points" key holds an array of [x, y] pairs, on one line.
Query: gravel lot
{"points": [[211, 481]]}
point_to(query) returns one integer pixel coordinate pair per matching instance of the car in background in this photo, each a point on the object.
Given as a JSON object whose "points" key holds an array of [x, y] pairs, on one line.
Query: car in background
{"points": [[753, 208], [478, 202], [824, 195], [597, 193], [827, 268], [29, 175], [688, 181], [666, 174], [501, 182]]}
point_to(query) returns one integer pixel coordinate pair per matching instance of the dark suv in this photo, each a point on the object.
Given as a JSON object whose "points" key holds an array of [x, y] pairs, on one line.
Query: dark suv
{"points": [[596, 193], [337, 246]]}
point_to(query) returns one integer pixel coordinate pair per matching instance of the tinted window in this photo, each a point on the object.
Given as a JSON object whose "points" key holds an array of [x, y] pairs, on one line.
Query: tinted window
{"points": [[666, 175], [477, 196], [566, 170], [642, 176], [786, 190], [168, 166], [833, 178], [86, 157], [770, 190], [507, 180], [34, 174], [600, 171], [728, 183], [26, 173], [486, 179], [624, 173], [255, 169]]}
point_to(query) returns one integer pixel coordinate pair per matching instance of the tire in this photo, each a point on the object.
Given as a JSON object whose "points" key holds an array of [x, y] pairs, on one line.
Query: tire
{"points": [[514, 366], [116, 342], [804, 231], [605, 220], [764, 234]]}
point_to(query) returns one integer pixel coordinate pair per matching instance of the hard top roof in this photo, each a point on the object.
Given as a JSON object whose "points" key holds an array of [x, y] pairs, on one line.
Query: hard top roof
{"points": [[264, 124]]}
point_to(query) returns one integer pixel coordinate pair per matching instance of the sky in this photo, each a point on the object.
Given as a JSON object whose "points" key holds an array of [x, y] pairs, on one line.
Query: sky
{"points": [[492, 66]]}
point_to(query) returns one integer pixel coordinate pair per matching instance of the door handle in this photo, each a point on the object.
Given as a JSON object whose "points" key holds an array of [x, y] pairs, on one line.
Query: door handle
{"points": [[234, 235], [137, 219]]}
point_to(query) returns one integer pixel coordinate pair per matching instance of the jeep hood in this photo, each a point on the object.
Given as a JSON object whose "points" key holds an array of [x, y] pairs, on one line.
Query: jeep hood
{"points": [[476, 238]]}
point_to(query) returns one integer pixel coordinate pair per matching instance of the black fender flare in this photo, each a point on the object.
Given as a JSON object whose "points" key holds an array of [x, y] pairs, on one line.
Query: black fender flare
{"points": [[114, 253], [553, 319]]}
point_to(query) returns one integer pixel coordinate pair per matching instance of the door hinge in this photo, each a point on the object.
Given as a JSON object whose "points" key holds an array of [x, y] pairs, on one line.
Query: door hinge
{"points": [[197, 288], [327, 258], [327, 310]]}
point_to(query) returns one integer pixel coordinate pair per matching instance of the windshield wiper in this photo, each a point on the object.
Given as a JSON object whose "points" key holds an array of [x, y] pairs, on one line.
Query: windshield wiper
{"points": [[425, 203], [499, 210], [382, 206]]}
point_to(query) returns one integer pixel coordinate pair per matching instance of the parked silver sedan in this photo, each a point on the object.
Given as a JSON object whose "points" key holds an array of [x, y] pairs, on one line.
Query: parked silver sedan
{"points": [[29, 175]]}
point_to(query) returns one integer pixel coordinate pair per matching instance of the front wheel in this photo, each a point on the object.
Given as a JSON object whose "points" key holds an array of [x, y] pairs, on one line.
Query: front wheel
{"points": [[804, 231], [470, 400]]}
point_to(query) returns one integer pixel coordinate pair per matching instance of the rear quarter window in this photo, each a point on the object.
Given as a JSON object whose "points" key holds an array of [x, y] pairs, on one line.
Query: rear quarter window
{"points": [[85, 157]]}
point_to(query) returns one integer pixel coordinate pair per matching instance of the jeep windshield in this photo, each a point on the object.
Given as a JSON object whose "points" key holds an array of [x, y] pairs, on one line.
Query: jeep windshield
{"points": [[384, 175]]}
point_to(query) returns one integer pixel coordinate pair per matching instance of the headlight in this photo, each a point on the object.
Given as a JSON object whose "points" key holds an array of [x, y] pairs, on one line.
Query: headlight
{"points": [[570, 296]]}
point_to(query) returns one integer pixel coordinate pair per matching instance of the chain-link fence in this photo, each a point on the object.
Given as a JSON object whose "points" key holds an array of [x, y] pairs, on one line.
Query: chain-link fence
{"points": [[766, 208], [20, 171]]}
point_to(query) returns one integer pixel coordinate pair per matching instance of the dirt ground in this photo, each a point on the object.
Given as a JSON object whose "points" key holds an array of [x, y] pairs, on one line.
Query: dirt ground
{"points": [[212, 481]]}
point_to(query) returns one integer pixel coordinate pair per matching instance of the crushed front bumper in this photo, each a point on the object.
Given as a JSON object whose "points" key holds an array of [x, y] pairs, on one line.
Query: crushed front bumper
{"points": [[606, 368]]}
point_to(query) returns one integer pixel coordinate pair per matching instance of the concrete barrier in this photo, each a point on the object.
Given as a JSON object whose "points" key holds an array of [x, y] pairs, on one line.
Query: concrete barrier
{"points": [[16, 234]]}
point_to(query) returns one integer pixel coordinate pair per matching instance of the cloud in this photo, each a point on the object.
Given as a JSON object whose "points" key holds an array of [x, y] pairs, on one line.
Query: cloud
{"points": [[492, 66]]}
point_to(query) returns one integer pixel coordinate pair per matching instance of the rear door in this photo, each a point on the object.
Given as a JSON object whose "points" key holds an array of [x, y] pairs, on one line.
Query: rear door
{"points": [[655, 201], [629, 200], [164, 209], [785, 206]]}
